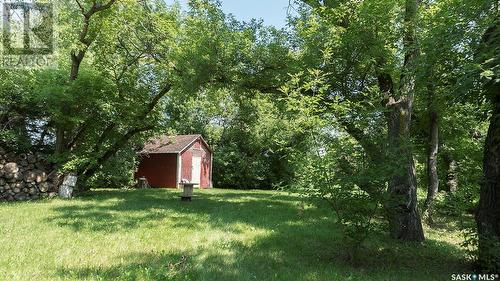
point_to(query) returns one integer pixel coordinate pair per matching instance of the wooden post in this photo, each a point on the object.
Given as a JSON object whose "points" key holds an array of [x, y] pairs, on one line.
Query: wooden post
{"points": [[187, 191], [142, 183]]}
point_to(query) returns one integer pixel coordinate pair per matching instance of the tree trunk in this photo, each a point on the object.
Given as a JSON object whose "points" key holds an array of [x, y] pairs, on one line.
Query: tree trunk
{"points": [[60, 140], [93, 168], [451, 167], [64, 142], [488, 211], [432, 152], [402, 208], [77, 58]]}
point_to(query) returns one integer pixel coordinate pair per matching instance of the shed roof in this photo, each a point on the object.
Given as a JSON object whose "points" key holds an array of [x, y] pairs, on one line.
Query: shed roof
{"points": [[170, 144]]}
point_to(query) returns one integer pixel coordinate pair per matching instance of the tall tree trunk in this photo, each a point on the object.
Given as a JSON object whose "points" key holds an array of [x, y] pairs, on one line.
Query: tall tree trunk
{"points": [[432, 152], [488, 211], [402, 207], [451, 167]]}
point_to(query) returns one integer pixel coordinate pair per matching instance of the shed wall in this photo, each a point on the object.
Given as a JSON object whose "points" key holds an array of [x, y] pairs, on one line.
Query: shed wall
{"points": [[198, 148], [159, 169]]}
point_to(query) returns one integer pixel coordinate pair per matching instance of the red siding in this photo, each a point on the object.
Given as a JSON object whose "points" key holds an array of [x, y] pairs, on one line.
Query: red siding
{"points": [[206, 181], [187, 162], [159, 169], [198, 147]]}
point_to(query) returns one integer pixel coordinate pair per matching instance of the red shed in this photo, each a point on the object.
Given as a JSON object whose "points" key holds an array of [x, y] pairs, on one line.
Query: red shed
{"points": [[168, 160]]}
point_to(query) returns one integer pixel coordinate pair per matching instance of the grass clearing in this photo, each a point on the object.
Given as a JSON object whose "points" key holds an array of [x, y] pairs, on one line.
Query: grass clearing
{"points": [[221, 235]]}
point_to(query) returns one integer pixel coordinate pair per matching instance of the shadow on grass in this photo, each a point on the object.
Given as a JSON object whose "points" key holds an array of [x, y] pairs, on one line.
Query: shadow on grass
{"points": [[300, 247], [111, 211]]}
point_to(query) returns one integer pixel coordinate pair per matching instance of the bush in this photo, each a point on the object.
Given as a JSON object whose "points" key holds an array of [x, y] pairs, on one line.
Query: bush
{"points": [[335, 175], [118, 172]]}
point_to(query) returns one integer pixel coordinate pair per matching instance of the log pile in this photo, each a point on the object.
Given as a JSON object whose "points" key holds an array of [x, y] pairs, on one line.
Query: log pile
{"points": [[25, 177]]}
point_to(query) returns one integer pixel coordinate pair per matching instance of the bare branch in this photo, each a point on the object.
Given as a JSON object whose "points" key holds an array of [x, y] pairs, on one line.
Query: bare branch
{"points": [[81, 7]]}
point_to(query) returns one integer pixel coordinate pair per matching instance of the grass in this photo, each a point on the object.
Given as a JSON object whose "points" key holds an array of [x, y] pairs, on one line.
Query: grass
{"points": [[221, 235]]}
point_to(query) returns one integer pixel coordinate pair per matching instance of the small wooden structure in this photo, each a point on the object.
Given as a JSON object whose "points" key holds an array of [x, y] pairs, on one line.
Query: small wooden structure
{"points": [[167, 160], [142, 183], [187, 191]]}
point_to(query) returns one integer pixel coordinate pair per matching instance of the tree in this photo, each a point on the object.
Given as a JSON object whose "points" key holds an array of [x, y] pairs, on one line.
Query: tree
{"points": [[432, 156], [448, 120], [488, 211], [358, 50], [241, 110], [85, 39], [404, 218]]}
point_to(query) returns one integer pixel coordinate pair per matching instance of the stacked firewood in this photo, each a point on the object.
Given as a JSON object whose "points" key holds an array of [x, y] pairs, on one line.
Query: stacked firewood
{"points": [[25, 177]]}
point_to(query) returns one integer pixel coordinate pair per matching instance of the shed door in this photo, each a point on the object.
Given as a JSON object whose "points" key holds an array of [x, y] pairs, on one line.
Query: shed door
{"points": [[196, 172]]}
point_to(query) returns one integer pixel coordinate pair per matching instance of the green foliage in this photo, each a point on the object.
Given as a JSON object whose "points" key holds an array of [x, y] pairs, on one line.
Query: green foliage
{"points": [[255, 141], [240, 108], [353, 44], [124, 161], [470, 242], [18, 109], [335, 174]]}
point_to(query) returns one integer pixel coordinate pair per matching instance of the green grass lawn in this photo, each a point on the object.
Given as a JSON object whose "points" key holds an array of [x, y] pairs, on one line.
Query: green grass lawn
{"points": [[221, 235]]}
